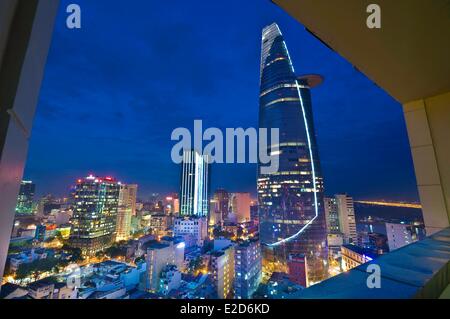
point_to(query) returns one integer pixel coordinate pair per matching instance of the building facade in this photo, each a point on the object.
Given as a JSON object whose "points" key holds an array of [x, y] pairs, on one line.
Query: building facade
{"points": [[331, 215], [126, 209], [398, 235], [248, 268], [194, 190], [347, 223], [94, 220], [291, 200], [25, 199]]}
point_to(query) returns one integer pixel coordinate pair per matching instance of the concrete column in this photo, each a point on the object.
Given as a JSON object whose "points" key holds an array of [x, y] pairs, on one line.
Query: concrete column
{"points": [[26, 27], [428, 124]]}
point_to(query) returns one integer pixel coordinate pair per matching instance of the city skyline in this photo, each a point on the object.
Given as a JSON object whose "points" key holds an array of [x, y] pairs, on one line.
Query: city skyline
{"points": [[137, 148], [163, 249]]}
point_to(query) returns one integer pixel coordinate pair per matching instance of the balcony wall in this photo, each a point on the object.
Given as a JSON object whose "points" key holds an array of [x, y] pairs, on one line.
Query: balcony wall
{"points": [[418, 270]]}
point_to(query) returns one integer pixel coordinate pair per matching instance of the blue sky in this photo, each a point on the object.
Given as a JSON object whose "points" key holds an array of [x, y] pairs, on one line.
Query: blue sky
{"points": [[114, 91]]}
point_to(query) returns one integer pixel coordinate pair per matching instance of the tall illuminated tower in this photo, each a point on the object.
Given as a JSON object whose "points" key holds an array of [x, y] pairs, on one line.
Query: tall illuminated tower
{"points": [[25, 198], [194, 190], [291, 213], [94, 220]]}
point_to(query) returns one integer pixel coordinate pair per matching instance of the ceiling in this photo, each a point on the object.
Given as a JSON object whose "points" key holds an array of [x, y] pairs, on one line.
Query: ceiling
{"points": [[409, 56]]}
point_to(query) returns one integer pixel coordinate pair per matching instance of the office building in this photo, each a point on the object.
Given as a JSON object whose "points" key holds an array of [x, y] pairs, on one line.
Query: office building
{"points": [[290, 200], [331, 215], [96, 202], [170, 279], [25, 199], [347, 223], [126, 209], [194, 196], [221, 200]]}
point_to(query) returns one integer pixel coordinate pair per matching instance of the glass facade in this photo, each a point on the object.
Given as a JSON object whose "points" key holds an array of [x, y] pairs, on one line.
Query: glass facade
{"points": [[25, 198], [194, 192], [290, 201]]}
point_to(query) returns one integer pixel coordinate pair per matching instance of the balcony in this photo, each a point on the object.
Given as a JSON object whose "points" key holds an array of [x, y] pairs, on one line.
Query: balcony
{"points": [[418, 270]]}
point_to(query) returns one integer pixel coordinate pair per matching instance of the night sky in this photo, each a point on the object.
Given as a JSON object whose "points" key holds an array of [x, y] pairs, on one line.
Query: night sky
{"points": [[114, 91]]}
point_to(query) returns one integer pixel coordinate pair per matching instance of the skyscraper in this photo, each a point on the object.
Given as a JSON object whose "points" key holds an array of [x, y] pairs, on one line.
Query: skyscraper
{"points": [[290, 200], [240, 206], [194, 196], [398, 235], [126, 209], [347, 223], [25, 198], [96, 202], [331, 215], [222, 268]]}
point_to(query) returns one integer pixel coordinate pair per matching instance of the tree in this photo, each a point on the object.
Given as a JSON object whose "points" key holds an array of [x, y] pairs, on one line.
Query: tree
{"points": [[35, 268], [75, 253], [195, 265]]}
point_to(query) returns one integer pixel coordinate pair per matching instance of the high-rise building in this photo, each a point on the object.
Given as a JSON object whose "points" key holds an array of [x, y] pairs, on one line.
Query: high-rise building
{"points": [[331, 215], [254, 216], [25, 198], [248, 268], [347, 223], [221, 200], [290, 200], [335, 238], [126, 209], [398, 235], [96, 202], [170, 279], [194, 196], [222, 269], [240, 206]]}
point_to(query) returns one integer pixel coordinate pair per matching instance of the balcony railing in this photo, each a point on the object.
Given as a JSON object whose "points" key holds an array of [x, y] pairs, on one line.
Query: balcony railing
{"points": [[418, 270]]}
